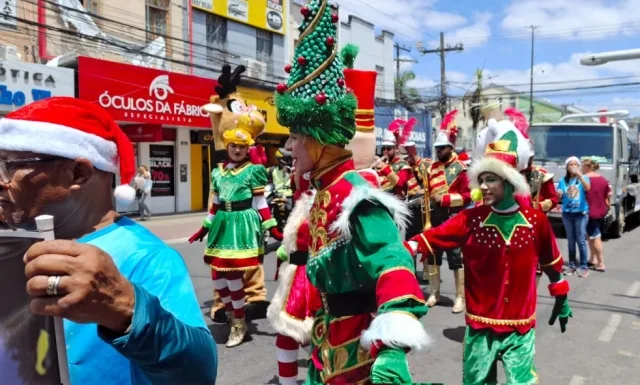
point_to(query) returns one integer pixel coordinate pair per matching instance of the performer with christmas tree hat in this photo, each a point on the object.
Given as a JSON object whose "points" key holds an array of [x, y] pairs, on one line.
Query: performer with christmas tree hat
{"points": [[357, 260], [502, 243], [236, 222]]}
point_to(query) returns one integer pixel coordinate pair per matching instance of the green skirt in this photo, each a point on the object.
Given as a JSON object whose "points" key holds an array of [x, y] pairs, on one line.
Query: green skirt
{"points": [[235, 241]]}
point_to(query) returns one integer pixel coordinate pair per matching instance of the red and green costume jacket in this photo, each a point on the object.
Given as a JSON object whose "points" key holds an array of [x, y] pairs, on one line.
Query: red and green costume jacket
{"points": [[501, 251], [370, 296], [450, 180], [541, 183], [398, 178]]}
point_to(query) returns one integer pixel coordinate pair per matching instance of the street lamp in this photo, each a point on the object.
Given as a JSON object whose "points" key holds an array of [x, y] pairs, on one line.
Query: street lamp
{"points": [[605, 57]]}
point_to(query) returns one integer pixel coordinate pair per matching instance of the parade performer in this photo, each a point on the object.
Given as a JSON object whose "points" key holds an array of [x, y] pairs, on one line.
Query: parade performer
{"points": [[449, 192], [224, 109], [419, 165], [236, 223], [296, 301], [397, 175], [502, 244], [357, 260]]}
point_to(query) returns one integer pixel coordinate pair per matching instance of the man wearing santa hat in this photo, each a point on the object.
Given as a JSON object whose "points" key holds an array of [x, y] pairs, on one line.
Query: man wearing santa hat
{"points": [[131, 313]]}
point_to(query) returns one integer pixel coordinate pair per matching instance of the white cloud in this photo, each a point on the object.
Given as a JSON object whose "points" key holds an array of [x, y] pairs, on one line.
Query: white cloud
{"points": [[421, 82], [570, 19], [471, 36], [455, 76], [408, 18], [407, 63]]}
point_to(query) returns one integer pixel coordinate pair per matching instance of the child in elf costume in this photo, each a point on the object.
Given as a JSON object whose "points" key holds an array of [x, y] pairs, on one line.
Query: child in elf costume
{"points": [[236, 222], [502, 242], [371, 301]]}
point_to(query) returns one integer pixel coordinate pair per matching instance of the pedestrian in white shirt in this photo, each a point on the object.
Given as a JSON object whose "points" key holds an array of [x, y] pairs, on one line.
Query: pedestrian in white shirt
{"points": [[143, 183]]}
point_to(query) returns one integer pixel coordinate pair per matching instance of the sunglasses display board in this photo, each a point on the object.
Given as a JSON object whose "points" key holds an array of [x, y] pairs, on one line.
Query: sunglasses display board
{"points": [[32, 349]]}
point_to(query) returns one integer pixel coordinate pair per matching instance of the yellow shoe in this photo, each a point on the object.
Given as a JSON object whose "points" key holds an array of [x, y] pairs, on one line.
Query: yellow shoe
{"points": [[238, 332]]}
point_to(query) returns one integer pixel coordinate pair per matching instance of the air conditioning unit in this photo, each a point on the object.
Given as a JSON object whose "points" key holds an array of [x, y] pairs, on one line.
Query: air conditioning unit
{"points": [[256, 69], [8, 52]]}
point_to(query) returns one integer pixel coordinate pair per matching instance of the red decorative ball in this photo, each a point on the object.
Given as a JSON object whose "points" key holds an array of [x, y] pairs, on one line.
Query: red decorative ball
{"points": [[305, 11], [302, 60], [340, 82], [321, 98], [335, 18], [331, 41], [287, 68], [281, 88]]}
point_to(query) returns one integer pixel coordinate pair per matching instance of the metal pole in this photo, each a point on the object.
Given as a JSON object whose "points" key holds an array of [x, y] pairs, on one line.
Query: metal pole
{"points": [[443, 89], [533, 29]]}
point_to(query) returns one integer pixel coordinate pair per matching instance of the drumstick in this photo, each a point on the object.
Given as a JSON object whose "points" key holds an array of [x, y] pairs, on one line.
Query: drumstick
{"points": [[44, 223]]}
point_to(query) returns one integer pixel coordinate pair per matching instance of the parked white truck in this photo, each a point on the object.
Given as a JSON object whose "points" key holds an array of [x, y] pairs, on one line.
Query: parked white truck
{"points": [[613, 145]]}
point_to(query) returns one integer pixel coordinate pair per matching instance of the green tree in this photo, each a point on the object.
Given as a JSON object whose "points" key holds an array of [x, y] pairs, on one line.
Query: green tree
{"points": [[406, 96]]}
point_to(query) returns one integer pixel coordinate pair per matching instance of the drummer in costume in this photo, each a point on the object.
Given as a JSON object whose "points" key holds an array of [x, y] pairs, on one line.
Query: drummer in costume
{"points": [[224, 108], [357, 260], [448, 188], [502, 244], [236, 222], [397, 175]]}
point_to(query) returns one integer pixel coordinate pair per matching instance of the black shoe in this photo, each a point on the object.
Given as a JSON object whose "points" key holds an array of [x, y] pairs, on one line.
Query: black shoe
{"points": [[220, 317], [256, 310]]}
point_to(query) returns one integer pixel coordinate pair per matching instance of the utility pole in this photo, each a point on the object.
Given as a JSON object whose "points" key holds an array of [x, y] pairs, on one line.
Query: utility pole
{"points": [[533, 35], [442, 50], [399, 48]]}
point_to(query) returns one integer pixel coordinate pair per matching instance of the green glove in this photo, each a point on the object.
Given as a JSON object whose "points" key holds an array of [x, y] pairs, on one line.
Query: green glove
{"points": [[391, 367], [561, 310], [282, 254]]}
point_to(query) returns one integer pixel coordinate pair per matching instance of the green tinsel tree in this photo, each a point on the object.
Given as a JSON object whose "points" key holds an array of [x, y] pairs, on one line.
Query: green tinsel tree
{"points": [[315, 101]]}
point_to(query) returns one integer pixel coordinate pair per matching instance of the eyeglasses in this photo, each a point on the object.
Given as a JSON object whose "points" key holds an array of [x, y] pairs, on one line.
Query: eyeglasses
{"points": [[7, 165]]}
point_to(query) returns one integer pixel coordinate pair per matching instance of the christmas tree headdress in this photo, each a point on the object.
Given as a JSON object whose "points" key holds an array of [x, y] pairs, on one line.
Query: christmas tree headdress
{"points": [[315, 101], [501, 158]]}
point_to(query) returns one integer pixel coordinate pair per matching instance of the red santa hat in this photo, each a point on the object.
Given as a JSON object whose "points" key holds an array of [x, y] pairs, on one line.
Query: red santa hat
{"points": [[72, 128]]}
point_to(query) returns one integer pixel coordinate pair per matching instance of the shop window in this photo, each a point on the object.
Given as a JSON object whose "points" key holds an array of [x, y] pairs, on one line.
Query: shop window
{"points": [[157, 18], [216, 39], [264, 48]]}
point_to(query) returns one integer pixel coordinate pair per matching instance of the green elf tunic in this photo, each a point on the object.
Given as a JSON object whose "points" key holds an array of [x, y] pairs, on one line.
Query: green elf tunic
{"points": [[238, 218], [371, 299]]}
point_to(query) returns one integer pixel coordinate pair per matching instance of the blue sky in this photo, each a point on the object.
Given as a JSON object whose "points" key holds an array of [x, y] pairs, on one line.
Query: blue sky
{"points": [[495, 37]]}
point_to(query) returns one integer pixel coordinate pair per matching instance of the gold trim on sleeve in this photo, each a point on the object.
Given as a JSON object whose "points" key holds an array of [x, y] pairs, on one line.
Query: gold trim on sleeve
{"points": [[552, 262]]}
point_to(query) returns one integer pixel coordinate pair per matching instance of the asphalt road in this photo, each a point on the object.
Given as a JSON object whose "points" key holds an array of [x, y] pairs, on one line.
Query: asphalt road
{"points": [[601, 345]]}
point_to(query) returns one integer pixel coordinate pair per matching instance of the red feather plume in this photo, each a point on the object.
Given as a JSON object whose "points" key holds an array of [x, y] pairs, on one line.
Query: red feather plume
{"points": [[519, 120], [407, 129], [448, 120]]}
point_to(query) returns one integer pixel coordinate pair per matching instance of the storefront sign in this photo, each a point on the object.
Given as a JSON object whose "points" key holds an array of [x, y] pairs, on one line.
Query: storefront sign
{"points": [[146, 95], [162, 165], [263, 14], [143, 132], [23, 83], [8, 13]]}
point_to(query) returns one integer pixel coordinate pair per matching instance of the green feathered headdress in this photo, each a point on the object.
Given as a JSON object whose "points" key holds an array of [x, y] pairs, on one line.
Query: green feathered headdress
{"points": [[315, 101]]}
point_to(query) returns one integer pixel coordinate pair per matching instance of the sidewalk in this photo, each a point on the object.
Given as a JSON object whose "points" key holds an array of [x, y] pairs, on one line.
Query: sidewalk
{"points": [[176, 228]]}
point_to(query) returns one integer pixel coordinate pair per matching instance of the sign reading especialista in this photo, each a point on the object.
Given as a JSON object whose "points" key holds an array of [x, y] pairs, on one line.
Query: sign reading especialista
{"points": [[23, 83]]}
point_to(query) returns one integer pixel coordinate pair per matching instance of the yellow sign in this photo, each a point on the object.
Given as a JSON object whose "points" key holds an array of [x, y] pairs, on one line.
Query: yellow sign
{"points": [[263, 14], [264, 101]]}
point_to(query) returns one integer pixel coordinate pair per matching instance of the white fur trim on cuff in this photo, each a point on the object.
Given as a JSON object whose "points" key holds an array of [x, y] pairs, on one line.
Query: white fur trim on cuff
{"points": [[57, 140], [397, 330], [500, 168], [398, 209]]}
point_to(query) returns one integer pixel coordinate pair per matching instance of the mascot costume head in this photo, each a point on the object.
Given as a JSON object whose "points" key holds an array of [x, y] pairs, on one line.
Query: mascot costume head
{"points": [[227, 108]]}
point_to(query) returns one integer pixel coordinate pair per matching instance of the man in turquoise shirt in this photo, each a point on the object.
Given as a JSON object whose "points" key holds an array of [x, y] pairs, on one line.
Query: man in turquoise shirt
{"points": [[131, 313]]}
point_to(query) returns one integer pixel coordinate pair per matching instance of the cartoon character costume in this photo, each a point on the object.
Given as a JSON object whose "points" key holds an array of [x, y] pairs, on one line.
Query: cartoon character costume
{"points": [[236, 224], [502, 245], [371, 299], [449, 180], [224, 109]]}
